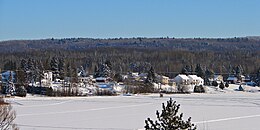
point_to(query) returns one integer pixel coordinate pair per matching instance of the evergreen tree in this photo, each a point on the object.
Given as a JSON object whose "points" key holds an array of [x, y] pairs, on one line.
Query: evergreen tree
{"points": [[39, 69], [96, 72], [187, 70], [10, 65], [118, 76], [22, 75], [61, 68], [199, 71], [215, 83], [21, 91], [10, 88], [169, 119], [208, 74], [258, 77], [31, 71], [109, 64], [105, 70], [258, 73], [102, 70], [226, 85], [184, 71], [55, 67], [151, 76], [68, 70], [221, 85], [230, 69], [24, 65], [239, 71]]}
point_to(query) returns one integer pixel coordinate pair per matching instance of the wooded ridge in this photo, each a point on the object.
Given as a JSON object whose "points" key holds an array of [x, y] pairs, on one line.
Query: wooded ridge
{"points": [[166, 55]]}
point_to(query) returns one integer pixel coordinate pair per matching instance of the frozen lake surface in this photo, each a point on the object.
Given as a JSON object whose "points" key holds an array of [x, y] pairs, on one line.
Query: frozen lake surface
{"points": [[219, 111]]}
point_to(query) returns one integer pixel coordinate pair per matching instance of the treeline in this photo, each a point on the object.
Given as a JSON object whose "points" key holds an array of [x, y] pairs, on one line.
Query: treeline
{"points": [[168, 62]]}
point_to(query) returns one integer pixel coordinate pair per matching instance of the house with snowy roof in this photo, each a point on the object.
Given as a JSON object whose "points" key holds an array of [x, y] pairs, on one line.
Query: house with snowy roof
{"points": [[232, 79], [101, 80], [218, 78], [195, 80], [163, 79], [182, 79], [8, 76]]}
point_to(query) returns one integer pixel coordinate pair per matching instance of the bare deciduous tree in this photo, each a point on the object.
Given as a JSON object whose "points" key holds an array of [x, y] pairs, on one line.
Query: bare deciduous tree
{"points": [[7, 116]]}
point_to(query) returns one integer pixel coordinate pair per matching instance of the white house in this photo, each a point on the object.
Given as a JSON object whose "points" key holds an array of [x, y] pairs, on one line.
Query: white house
{"points": [[189, 81], [195, 80], [163, 79], [181, 79], [218, 78]]}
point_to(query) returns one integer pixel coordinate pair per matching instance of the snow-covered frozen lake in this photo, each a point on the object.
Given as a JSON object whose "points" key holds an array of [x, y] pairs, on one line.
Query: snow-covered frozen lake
{"points": [[219, 111]]}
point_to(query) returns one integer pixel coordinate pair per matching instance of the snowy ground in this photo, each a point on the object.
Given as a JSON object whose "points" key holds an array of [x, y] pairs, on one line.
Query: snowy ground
{"points": [[216, 110]]}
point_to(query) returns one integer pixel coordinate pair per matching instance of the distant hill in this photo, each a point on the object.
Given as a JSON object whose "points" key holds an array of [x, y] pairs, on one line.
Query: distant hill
{"points": [[167, 55], [74, 44]]}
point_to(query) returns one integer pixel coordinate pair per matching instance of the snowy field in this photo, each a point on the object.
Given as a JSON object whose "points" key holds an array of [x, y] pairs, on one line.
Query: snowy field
{"points": [[228, 110]]}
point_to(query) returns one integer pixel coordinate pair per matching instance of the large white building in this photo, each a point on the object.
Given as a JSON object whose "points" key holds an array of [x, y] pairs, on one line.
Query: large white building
{"points": [[189, 81]]}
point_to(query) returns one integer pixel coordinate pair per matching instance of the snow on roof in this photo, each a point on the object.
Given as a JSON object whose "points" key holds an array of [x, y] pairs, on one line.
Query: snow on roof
{"points": [[7, 73], [165, 77], [183, 76], [194, 77], [104, 85], [142, 74], [216, 76], [101, 78], [232, 78]]}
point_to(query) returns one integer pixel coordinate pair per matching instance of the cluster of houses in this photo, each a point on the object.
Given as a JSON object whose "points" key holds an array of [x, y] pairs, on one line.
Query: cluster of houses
{"points": [[165, 83], [90, 85]]}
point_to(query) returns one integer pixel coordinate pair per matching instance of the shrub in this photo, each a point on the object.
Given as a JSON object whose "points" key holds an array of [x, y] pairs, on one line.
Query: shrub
{"points": [[21, 91], [49, 91], [226, 85], [215, 83], [240, 88], [104, 92], [183, 89], [221, 85], [139, 87], [199, 89]]}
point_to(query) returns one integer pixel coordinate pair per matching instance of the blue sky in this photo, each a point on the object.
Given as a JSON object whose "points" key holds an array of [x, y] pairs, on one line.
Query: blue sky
{"points": [[38, 19]]}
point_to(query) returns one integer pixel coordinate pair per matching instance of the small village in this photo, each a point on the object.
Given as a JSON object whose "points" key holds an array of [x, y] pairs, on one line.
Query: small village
{"points": [[132, 83]]}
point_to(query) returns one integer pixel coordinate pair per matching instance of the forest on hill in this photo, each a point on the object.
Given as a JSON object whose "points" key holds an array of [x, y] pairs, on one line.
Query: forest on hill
{"points": [[81, 44], [167, 55]]}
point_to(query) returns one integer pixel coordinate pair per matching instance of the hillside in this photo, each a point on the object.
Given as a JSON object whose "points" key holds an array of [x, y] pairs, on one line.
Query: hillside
{"points": [[166, 55], [196, 44]]}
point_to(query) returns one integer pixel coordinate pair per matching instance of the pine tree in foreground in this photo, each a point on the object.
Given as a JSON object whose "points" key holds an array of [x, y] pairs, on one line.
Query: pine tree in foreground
{"points": [[169, 119]]}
